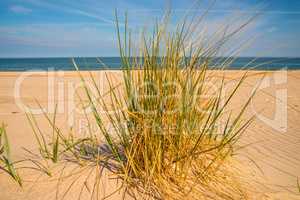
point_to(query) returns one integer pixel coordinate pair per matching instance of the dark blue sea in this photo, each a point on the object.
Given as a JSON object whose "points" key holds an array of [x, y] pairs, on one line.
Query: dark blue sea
{"points": [[42, 64]]}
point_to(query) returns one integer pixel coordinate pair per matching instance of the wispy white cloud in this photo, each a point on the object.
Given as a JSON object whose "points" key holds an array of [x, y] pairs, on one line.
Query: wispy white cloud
{"points": [[20, 9], [97, 10], [68, 8]]}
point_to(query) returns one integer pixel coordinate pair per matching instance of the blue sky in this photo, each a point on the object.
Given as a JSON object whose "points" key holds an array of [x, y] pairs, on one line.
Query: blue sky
{"points": [[55, 28]]}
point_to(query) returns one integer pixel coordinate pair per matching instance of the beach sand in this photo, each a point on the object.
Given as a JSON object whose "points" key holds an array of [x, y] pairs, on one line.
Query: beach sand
{"points": [[273, 140]]}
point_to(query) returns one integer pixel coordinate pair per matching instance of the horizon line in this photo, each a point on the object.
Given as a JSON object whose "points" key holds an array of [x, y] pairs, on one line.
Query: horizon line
{"points": [[44, 57]]}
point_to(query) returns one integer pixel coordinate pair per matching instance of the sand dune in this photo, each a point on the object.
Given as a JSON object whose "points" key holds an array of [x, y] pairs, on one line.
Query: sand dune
{"points": [[271, 142]]}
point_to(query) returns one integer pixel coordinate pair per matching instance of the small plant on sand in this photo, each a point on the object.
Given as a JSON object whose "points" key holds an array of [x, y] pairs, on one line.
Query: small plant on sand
{"points": [[6, 163], [170, 133]]}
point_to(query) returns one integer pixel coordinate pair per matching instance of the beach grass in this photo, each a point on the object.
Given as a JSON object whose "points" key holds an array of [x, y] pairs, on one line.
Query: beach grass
{"points": [[6, 163]]}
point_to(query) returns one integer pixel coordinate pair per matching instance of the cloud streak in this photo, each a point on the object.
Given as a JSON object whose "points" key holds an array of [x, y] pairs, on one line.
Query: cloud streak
{"points": [[20, 9], [71, 10]]}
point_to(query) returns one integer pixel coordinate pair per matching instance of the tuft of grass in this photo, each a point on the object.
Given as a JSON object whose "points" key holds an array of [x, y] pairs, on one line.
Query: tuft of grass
{"points": [[6, 163], [170, 134], [172, 145]]}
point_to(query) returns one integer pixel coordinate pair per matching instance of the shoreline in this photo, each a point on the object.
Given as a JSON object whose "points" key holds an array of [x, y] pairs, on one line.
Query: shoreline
{"points": [[120, 69]]}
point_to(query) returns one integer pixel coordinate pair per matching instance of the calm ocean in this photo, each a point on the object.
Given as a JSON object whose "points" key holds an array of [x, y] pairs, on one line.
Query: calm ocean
{"points": [[41, 64]]}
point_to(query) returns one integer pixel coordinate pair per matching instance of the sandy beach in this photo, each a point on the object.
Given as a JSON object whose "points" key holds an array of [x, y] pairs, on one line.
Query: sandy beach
{"points": [[272, 141]]}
